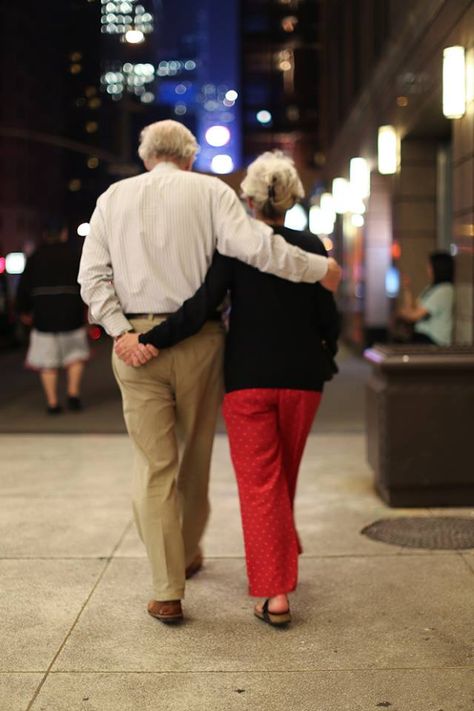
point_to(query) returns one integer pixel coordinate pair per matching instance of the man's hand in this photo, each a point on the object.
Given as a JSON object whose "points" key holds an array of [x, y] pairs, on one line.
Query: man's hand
{"points": [[333, 277], [132, 352], [126, 344]]}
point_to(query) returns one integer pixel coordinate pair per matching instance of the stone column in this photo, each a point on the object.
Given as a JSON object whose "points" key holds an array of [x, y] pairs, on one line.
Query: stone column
{"points": [[414, 209], [378, 242], [463, 219]]}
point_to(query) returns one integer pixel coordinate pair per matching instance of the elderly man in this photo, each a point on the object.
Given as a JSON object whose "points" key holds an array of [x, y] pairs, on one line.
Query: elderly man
{"points": [[151, 241]]}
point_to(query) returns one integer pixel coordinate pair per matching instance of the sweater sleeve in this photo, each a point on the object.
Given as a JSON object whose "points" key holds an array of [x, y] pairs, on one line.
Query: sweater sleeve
{"points": [[195, 311], [24, 297], [329, 320]]}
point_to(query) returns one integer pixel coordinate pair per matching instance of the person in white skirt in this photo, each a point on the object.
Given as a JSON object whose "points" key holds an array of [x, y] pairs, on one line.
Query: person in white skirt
{"points": [[48, 299]]}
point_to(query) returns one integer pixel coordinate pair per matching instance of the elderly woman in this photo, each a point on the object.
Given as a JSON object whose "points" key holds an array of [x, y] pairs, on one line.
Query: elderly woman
{"points": [[276, 361]]}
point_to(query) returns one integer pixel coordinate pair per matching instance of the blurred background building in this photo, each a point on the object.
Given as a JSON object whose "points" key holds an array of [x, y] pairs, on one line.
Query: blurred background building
{"points": [[382, 66], [316, 78]]}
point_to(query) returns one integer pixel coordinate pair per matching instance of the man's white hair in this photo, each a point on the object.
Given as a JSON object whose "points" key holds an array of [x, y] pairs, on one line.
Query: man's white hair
{"points": [[167, 139], [273, 183]]}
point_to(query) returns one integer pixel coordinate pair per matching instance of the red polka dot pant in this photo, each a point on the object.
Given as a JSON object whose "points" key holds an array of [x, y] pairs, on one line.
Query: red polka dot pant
{"points": [[268, 429]]}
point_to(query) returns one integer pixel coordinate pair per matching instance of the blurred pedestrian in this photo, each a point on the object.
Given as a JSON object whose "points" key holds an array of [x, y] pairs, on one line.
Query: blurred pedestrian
{"points": [[279, 352], [49, 301], [151, 241], [431, 314]]}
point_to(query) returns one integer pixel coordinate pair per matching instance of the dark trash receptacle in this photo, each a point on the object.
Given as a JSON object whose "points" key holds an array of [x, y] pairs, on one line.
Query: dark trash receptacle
{"points": [[420, 424]]}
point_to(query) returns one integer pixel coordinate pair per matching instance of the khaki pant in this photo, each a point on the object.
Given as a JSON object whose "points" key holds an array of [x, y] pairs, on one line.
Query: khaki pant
{"points": [[179, 390]]}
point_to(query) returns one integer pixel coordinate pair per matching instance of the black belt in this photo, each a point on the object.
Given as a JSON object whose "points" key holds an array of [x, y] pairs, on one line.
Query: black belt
{"points": [[148, 315], [215, 316]]}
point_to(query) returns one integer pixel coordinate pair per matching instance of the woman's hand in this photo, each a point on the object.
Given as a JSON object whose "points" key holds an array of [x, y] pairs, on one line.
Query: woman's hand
{"points": [[132, 352], [413, 314]]}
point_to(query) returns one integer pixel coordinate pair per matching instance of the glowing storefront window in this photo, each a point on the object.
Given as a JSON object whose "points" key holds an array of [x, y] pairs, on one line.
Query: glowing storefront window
{"points": [[128, 19], [133, 78]]}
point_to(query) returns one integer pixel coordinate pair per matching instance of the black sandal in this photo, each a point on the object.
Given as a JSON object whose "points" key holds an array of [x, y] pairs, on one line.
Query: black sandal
{"points": [[275, 619]]}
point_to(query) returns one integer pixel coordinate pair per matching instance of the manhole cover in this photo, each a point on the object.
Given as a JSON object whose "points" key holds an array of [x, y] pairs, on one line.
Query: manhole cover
{"points": [[446, 533]]}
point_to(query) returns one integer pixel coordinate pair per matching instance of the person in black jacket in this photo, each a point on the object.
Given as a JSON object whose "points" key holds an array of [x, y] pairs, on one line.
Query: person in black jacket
{"points": [[279, 351], [48, 299]]}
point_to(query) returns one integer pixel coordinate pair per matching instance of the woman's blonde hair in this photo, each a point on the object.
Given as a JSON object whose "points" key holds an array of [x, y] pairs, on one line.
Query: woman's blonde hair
{"points": [[273, 183], [167, 139]]}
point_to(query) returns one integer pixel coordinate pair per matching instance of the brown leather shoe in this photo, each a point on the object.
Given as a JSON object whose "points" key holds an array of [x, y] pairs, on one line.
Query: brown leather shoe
{"points": [[169, 611], [195, 566]]}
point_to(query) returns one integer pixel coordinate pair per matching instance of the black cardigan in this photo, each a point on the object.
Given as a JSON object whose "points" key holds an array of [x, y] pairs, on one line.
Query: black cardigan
{"points": [[276, 327]]}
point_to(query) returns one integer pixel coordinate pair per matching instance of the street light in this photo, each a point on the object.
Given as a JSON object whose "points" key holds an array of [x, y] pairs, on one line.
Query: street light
{"points": [[454, 82], [359, 174], [387, 150], [341, 195]]}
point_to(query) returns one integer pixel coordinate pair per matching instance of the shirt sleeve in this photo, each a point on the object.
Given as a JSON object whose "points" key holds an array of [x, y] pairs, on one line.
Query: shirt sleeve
{"points": [[254, 243], [96, 279], [195, 311]]}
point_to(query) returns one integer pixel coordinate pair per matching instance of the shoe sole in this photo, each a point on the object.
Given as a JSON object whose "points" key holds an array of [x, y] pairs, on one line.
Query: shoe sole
{"points": [[168, 620]]}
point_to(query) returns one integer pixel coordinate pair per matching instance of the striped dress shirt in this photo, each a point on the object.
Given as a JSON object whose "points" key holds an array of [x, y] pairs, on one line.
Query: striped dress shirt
{"points": [[152, 238]]}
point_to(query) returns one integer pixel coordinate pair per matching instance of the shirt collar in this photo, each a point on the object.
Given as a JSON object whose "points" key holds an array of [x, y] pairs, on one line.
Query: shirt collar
{"points": [[165, 166]]}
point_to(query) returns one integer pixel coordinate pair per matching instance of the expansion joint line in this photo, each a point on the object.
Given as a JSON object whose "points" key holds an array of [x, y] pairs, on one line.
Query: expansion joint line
{"points": [[108, 560]]}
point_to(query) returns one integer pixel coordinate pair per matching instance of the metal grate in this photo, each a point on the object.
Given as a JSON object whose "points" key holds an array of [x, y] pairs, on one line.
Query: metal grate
{"points": [[433, 533]]}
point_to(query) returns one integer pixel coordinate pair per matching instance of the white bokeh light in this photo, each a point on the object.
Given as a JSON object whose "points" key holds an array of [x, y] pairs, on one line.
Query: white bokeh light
{"points": [[222, 164], [264, 116], [118, 17], [296, 218], [321, 222], [341, 194], [388, 150], [83, 229], [454, 82], [359, 177], [357, 220], [134, 36], [218, 136], [15, 263]]}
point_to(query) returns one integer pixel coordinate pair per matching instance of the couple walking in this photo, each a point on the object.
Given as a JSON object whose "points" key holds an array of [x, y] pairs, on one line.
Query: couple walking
{"points": [[171, 236]]}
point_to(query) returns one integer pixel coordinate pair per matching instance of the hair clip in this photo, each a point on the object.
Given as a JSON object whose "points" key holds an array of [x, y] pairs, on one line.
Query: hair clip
{"points": [[271, 190]]}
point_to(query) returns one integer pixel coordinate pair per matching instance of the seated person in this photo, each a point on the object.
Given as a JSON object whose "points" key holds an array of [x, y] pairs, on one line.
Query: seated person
{"points": [[432, 313]]}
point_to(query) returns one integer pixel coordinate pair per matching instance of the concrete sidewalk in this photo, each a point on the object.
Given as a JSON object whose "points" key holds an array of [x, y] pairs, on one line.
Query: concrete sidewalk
{"points": [[375, 626], [22, 408]]}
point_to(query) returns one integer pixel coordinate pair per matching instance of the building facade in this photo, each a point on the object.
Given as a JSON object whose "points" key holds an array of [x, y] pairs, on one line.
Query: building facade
{"points": [[280, 80], [382, 65]]}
